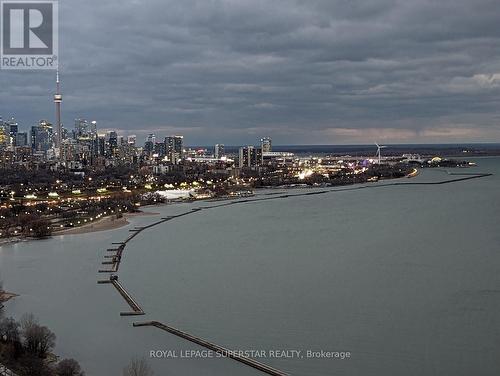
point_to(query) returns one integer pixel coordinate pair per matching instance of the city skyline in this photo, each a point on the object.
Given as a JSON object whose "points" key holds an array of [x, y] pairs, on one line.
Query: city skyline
{"points": [[303, 73]]}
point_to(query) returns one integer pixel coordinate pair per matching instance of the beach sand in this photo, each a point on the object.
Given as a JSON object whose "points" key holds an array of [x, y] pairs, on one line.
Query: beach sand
{"points": [[106, 223]]}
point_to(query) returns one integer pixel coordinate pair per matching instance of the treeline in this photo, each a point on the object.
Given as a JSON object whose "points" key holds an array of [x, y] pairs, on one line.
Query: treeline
{"points": [[26, 349], [26, 220], [37, 221], [40, 177]]}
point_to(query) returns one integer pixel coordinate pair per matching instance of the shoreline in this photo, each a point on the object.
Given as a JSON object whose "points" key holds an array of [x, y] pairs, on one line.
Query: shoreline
{"points": [[6, 296], [103, 224], [113, 223]]}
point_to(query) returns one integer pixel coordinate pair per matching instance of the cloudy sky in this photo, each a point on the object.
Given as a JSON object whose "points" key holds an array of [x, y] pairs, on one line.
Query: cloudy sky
{"points": [[300, 71]]}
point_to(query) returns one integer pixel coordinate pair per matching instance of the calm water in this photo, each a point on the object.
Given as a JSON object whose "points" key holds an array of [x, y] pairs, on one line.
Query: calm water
{"points": [[406, 278]]}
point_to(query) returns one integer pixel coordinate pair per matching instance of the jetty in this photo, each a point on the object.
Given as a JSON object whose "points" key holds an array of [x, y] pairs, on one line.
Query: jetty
{"points": [[216, 348], [136, 309]]}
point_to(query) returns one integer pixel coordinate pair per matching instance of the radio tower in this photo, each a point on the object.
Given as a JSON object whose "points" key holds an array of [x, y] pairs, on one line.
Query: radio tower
{"points": [[58, 101]]}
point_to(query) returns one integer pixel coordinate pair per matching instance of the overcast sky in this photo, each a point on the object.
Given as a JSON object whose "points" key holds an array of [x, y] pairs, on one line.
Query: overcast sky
{"points": [[301, 72]]}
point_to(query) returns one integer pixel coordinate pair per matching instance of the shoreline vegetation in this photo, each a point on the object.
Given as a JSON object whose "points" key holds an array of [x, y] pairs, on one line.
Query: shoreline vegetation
{"points": [[26, 349]]}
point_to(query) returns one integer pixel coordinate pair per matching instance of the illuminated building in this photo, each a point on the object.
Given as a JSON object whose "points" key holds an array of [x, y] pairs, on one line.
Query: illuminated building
{"points": [[174, 148], [21, 139], [266, 145], [249, 156], [219, 151], [42, 136]]}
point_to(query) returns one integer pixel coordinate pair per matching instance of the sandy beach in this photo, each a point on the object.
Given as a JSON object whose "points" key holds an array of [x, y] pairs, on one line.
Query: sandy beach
{"points": [[106, 223]]}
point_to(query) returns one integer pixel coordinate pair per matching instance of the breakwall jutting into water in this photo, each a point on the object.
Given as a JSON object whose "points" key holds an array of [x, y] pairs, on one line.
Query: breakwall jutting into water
{"points": [[113, 257]]}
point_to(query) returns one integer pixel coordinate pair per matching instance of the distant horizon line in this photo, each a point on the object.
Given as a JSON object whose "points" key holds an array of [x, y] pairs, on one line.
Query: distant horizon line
{"points": [[364, 144]]}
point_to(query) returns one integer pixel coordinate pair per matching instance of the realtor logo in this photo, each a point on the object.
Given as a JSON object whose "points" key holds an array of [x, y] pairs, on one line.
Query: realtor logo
{"points": [[29, 34]]}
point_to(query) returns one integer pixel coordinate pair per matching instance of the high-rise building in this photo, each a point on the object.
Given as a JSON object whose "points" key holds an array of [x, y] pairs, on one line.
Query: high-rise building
{"points": [[42, 136], [149, 145], [266, 145], [8, 132], [64, 133], [101, 145], [179, 146], [219, 151], [68, 150], [11, 127], [160, 149], [85, 130], [249, 156], [80, 128], [86, 148], [174, 148], [4, 136], [22, 139], [93, 129], [131, 140], [111, 143]]}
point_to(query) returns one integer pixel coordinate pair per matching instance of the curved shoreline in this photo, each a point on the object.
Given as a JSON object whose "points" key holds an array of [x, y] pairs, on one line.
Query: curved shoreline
{"points": [[103, 224], [279, 195]]}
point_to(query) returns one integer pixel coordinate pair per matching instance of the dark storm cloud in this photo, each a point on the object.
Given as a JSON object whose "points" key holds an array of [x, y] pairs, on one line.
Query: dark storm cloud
{"points": [[300, 71]]}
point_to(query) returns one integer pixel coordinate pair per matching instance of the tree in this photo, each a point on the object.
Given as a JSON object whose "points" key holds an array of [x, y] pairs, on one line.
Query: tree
{"points": [[34, 366], [41, 228], [69, 367], [138, 367], [38, 340], [9, 330]]}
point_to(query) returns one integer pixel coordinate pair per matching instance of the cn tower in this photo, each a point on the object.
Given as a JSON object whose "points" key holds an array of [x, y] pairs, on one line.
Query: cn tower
{"points": [[58, 101]]}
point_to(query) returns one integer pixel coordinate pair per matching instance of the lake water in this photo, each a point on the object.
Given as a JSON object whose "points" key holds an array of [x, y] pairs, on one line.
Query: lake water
{"points": [[406, 278]]}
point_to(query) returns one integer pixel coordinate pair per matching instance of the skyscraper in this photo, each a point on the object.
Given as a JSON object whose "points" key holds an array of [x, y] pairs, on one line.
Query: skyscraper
{"points": [[174, 148], [81, 129], [11, 127], [131, 140], [250, 156], [4, 136], [219, 151], [21, 139], [149, 145], [111, 143], [42, 136], [179, 145], [266, 145]]}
